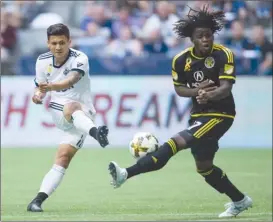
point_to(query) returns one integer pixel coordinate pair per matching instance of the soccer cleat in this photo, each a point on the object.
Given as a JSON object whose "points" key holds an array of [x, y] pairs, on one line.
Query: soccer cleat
{"points": [[118, 174], [235, 208], [101, 136], [34, 206]]}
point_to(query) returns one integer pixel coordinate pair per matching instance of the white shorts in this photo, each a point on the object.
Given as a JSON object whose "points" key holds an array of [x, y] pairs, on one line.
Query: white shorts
{"points": [[71, 135]]}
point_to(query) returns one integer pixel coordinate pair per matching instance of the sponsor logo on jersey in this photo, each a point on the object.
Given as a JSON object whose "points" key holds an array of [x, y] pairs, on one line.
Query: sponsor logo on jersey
{"points": [[228, 69], [198, 76], [79, 64]]}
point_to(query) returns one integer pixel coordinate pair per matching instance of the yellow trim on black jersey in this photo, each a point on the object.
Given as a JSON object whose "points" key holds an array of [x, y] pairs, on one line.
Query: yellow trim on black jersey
{"points": [[206, 173], [227, 77], [207, 127], [209, 123], [177, 56], [178, 84], [227, 51], [213, 114], [172, 145], [194, 56]]}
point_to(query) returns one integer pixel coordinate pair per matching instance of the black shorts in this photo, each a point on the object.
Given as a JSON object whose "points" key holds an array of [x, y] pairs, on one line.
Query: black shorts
{"points": [[204, 133]]}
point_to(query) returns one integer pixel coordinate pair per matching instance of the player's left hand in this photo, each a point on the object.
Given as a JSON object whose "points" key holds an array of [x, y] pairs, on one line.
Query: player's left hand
{"points": [[45, 87], [202, 97]]}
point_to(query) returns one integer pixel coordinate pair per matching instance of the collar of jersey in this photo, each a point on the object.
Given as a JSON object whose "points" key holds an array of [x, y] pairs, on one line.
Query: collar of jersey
{"points": [[194, 56], [63, 61]]}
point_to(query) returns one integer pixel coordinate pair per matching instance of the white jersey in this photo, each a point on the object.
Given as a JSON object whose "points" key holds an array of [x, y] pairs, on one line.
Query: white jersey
{"points": [[47, 71]]}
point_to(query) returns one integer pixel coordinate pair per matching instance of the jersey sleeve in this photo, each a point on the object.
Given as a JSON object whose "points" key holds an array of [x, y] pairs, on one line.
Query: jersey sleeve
{"points": [[81, 64], [227, 65], [178, 74], [40, 76]]}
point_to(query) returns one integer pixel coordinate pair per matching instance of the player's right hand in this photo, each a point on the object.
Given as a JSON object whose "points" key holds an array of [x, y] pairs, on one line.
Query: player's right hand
{"points": [[37, 99], [205, 84], [208, 89]]}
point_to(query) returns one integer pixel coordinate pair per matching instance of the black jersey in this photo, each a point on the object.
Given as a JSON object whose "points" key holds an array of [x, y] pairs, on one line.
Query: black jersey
{"points": [[190, 70]]}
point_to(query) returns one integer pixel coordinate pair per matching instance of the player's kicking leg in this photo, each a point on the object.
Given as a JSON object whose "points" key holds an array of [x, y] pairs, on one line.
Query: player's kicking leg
{"points": [[152, 162], [73, 112], [54, 177], [213, 175]]}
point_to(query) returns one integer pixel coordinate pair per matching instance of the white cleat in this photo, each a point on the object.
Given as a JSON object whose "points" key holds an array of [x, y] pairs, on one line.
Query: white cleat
{"points": [[234, 208], [118, 174]]}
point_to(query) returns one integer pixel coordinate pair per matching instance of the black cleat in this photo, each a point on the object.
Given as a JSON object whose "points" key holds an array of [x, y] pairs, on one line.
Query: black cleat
{"points": [[102, 134], [34, 206]]}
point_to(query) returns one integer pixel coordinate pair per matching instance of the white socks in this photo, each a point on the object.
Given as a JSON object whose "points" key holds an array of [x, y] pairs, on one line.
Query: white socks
{"points": [[82, 122], [52, 179]]}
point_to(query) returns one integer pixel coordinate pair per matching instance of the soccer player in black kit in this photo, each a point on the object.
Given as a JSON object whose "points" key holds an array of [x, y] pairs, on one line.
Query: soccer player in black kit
{"points": [[206, 73]]}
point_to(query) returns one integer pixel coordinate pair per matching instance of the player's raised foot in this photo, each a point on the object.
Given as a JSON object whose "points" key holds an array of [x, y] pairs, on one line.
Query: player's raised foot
{"points": [[235, 208], [118, 174], [102, 134], [35, 206]]}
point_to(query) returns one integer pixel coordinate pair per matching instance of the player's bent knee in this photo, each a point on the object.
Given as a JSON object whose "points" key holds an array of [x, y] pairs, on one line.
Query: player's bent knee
{"points": [[63, 161], [203, 166], [64, 155], [70, 108], [183, 139]]}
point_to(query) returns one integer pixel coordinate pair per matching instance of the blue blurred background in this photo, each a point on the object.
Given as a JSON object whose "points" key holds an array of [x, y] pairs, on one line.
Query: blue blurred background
{"points": [[121, 36]]}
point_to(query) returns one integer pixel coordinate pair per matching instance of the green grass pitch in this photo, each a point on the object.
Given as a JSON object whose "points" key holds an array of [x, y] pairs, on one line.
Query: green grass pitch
{"points": [[176, 192]]}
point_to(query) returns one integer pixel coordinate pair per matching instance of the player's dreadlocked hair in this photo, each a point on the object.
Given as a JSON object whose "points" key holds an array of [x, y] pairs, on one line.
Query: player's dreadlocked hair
{"points": [[203, 18]]}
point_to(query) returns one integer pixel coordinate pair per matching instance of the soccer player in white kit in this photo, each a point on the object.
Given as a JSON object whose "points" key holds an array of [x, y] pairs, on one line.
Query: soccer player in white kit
{"points": [[64, 72]]}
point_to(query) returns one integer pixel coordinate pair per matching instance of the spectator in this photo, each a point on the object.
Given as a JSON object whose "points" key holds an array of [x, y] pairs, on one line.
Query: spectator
{"points": [[8, 42], [238, 41], [94, 39], [235, 9], [241, 46], [125, 45], [125, 20], [8, 36], [98, 15], [155, 43], [265, 47], [163, 20], [144, 10], [264, 12], [25, 11]]}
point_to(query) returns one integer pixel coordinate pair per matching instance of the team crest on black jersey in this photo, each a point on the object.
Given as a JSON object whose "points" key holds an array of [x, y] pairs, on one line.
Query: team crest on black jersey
{"points": [[209, 62]]}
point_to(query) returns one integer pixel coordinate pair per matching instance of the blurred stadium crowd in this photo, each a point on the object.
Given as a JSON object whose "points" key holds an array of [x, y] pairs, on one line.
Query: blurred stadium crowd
{"points": [[119, 36]]}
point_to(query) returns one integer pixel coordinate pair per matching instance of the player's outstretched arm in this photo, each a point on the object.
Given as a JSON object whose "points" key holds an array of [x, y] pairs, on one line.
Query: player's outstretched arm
{"points": [[72, 79]]}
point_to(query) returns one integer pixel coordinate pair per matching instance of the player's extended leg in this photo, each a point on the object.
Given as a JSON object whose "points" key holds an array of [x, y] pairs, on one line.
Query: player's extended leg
{"points": [[217, 178], [73, 112], [54, 177], [152, 162]]}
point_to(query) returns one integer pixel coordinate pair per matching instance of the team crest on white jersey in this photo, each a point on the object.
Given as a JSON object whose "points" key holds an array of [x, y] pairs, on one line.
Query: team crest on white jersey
{"points": [[209, 62], [66, 71]]}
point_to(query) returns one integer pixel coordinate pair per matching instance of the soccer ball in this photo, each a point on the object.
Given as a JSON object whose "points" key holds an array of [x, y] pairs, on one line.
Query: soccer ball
{"points": [[143, 143]]}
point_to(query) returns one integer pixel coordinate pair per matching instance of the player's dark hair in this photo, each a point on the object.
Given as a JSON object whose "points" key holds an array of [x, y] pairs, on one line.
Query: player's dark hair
{"points": [[58, 29], [199, 19]]}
